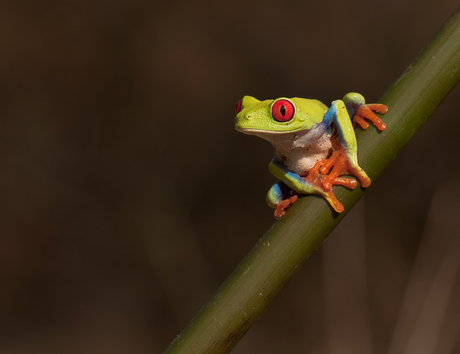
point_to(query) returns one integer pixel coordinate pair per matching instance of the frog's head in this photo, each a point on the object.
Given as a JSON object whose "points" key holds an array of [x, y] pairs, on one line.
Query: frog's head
{"points": [[280, 116]]}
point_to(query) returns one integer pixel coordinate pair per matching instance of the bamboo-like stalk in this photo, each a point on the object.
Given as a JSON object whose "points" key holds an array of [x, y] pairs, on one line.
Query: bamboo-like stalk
{"points": [[272, 262]]}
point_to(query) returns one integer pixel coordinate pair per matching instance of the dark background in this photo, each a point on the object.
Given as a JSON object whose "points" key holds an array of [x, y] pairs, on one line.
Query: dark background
{"points": [[127, 197]]}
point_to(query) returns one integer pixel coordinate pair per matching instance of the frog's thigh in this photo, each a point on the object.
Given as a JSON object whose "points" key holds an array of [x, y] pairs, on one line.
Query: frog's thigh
{"points": [[277, 193]]}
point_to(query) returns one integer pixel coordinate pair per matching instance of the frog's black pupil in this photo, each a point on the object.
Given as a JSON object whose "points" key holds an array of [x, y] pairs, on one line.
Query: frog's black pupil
{"points": [[283, 110]]}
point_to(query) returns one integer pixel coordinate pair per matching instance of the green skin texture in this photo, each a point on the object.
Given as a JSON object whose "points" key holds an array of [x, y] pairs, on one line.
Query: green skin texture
{"points": [[295, 141]]}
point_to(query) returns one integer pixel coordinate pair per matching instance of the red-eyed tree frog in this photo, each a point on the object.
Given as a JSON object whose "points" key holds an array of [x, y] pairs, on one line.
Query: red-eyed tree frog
{"points": [[314, 145]]}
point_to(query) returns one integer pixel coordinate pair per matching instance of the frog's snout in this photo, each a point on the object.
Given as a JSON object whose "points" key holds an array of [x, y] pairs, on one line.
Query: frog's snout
{"points": [[240, 122], [242, 118]]}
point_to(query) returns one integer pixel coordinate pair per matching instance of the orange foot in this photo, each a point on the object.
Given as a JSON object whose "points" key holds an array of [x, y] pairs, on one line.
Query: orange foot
{"points": [[316, 179], [366, 111], [339, 164], [283, 205]]}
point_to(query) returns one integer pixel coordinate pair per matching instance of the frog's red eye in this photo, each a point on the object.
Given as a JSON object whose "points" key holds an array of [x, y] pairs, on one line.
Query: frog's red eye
{"points": [[283, 110], [238, 106]]}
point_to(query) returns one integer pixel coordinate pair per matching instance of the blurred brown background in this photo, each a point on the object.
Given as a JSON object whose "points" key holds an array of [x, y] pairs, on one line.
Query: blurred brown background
{"points": [[127, 197]]}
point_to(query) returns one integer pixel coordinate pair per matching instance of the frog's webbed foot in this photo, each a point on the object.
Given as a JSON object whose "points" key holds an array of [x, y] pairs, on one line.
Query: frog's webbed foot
{"points": [[318, 173], [283, 205], [340, 163], [366, 111], [316, 180]]}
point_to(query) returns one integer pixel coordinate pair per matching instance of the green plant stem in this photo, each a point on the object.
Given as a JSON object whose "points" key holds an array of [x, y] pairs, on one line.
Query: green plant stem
{"points": [[272, 262]]}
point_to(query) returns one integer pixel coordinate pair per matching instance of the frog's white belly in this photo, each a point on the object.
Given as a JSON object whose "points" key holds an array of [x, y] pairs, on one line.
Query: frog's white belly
{"points": [[301, 159]]}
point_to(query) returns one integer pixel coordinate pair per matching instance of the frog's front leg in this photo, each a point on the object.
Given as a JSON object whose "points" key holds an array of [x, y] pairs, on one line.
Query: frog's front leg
{"points": [[278, 198], [344, 159], [359, 110]]}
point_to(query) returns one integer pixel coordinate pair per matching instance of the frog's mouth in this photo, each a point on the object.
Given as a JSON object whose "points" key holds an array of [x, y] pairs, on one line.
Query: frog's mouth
{"points": [[251, 131]]}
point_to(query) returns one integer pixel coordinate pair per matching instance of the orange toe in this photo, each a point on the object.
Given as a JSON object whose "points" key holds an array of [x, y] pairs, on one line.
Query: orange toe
{"points": [[350, 183]]}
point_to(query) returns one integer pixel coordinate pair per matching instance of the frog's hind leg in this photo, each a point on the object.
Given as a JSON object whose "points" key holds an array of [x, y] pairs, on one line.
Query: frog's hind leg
{"points": [[280, 197]]}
